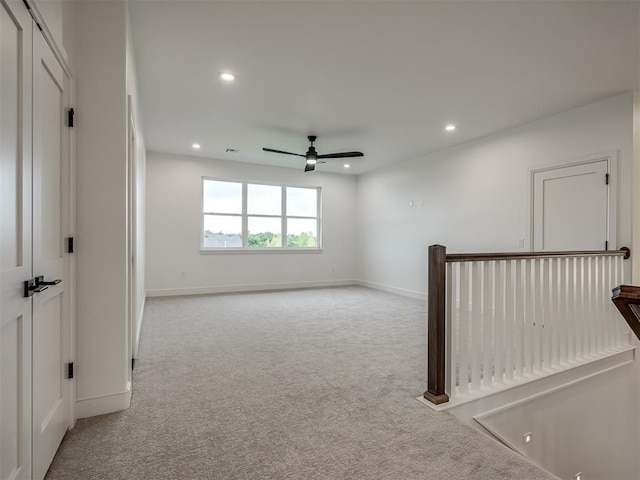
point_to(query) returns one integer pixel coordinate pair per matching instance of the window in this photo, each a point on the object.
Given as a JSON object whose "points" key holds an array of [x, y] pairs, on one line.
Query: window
{"points": [[254, 216]]}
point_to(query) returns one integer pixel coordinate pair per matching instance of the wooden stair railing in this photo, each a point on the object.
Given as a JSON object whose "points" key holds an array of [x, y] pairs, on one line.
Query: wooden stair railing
{"points": [[627, 299]]}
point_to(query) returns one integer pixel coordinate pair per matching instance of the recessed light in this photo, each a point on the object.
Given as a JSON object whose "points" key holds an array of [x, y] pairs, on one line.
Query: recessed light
{"points": [[450, 128], [227, 76], [196, 146], [346, 165]]}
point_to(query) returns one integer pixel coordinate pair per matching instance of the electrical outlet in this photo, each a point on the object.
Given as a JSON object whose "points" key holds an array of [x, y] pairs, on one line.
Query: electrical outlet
{"points": [[521, 243], [527, 437]]}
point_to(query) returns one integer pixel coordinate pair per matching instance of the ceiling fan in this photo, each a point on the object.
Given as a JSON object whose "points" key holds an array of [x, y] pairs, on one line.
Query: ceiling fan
{"points": [[312, 156]]}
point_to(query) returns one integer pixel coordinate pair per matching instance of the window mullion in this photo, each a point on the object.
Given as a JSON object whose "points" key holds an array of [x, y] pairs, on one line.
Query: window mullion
{"points": [[318, 222], [245, 217], [283, 217]]}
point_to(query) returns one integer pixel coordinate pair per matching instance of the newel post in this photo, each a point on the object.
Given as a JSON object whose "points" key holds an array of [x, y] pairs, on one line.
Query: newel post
{"points": [[436, 322]]}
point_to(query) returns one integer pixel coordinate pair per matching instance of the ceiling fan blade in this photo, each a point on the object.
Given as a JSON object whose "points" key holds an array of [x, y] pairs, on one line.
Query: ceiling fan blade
{"points": [[342, 155], [309, 168], [280, 151]]}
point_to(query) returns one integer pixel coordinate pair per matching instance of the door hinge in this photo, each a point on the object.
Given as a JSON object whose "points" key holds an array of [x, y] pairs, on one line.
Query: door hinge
{"points": [[606, 244], [69, 244], [70, 370], [70, 114], [26, 4], [133, 363], [606, 179]]}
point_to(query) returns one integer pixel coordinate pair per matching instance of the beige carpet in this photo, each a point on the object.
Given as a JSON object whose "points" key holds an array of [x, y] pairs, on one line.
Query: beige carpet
{"points": [[308, 384]]}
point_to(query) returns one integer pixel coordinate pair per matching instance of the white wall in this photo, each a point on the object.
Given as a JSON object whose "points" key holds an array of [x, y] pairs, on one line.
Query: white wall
{"points": [[101, 152], [174, 205], [477, 195], [581, 420]]}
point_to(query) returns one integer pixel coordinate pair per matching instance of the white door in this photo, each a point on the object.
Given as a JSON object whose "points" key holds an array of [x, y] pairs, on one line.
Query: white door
{"points": [[15, 240], [50, 310], [571, 207]]}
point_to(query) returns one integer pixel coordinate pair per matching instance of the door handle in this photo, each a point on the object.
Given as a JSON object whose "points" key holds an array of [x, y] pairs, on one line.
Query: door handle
{"points": [[40, 281], [31, 287]]}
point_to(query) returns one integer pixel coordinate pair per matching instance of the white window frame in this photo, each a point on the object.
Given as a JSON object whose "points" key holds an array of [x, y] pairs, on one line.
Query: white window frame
{"points": [[245, 219]]}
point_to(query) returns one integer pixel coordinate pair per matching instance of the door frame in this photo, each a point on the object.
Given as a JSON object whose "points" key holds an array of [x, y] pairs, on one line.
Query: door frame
{"points": [[132, 236], [611, 157], [69, 226]]}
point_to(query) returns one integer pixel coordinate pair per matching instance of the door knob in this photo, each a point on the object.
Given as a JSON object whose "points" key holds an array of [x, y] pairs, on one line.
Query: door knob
{"points": [[31, 287], [40, 281]]}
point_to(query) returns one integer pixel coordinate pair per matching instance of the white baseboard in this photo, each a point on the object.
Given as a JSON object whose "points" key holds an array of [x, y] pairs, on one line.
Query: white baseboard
{"points": [[257, 287], [99, 405], [388, 288]]}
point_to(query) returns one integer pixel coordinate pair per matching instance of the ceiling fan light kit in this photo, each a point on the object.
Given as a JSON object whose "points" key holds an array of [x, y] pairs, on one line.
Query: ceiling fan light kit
{"points": [[312, 156]]}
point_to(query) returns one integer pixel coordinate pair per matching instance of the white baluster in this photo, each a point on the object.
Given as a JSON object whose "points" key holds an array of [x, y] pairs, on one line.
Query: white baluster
{"points": [[464, 328], [615, 341], [618, 325], [455, 327], [552, 308], [509, 318], [546, 314], [476, 325], [582, 329], [498, 312], [538, 314], [623, 329], [519, 319], [450, 335], [487, 325], [590, 303], [597, 304], [606, 300], [529, 288], [572, 306], [563, 313]]}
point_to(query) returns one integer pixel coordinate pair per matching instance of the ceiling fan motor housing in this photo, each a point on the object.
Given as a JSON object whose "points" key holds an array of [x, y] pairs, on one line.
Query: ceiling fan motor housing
{"points": [[311, 155]]}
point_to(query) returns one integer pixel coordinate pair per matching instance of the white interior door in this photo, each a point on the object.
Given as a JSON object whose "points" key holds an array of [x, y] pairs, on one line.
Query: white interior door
{"points": [[571, 207], [15, 240], [50, 311]]}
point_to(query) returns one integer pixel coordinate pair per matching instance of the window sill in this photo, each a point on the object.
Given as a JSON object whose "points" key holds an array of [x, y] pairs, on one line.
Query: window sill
{"points": [[270, 251]]}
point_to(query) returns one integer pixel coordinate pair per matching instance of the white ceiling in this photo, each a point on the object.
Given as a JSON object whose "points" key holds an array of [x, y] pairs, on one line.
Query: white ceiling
{"points": [[380, 77]]}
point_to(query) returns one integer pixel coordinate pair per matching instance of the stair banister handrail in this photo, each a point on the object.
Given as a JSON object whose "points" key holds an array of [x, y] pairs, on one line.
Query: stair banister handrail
{"points": [[627, 299], [474, 257]]}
